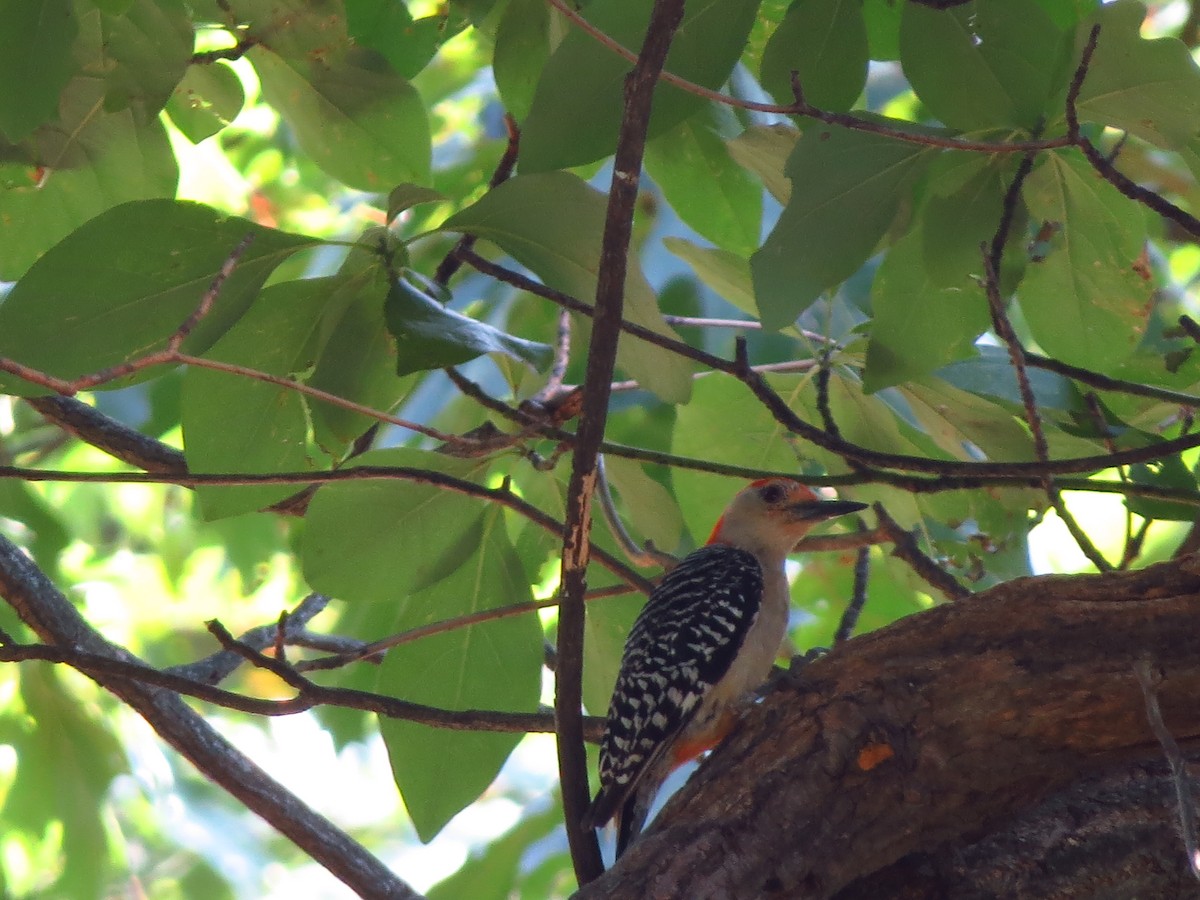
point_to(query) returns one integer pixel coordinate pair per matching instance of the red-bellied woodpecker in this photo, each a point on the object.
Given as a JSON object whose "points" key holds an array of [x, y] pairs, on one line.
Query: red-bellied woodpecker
{"points": [[707, 637]]}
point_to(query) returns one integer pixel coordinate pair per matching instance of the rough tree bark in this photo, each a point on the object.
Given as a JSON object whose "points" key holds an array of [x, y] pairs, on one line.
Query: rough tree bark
{"points": [[998, 746]]}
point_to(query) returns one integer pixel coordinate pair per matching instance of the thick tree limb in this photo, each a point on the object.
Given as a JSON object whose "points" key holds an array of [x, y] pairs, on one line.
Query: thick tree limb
{"points": [[932, 731], [1105, 836]]}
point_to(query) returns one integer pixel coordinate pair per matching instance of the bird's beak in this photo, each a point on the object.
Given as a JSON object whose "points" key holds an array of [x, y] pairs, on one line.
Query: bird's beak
{"points": [[826, 509]]}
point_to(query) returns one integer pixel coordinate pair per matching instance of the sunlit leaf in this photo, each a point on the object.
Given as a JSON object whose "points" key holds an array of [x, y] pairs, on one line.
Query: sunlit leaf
{"points": [[726, 273], [1085, 302], [358, 120], [206, 100], [491, 874], [66, 760], [492, 665], [764, 150]]}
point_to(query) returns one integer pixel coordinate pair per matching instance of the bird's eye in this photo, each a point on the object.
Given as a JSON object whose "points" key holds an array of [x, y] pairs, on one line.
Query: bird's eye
{"points": [[772, 493]]}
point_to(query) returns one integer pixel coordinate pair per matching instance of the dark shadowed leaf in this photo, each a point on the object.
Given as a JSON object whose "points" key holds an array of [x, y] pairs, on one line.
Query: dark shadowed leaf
{"points": [[577, 106], [846, 189], [825, 43], [429, 336]]}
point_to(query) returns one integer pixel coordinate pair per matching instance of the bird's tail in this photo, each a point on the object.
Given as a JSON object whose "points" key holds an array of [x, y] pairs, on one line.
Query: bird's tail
{"points": [[631, 817]]}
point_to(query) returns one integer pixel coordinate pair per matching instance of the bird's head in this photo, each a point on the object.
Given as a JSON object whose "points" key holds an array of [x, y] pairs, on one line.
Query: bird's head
{"points": [[770, 515]]}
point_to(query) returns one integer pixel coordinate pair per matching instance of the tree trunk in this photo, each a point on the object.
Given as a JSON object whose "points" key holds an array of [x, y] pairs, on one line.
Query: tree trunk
{"points": [[998, 746]]}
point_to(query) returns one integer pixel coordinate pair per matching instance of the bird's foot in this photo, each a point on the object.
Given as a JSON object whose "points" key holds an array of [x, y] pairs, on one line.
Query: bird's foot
{"points": [[793, 677]]}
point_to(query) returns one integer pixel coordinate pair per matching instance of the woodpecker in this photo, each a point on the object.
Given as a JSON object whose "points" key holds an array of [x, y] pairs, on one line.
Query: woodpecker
{"points": [[706, 638]]}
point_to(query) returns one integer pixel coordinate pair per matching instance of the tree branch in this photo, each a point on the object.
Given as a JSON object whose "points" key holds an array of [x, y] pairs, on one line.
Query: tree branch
{"points": [[44, 609], [601, 360]]}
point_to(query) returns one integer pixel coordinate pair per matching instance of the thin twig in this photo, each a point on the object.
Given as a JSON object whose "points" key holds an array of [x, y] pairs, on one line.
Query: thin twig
{"points": [[210, 296], [638, 556], [905, 548], [216, 668], [1077, 79], [453, 261], [373, 649], [858, 597], [992, 259], [1185, 806], [237, 51]]}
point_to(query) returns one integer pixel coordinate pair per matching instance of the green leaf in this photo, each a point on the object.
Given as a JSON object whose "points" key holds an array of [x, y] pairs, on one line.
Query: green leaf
{"points": [[882, 18], [406, 196], [764, 150], [357, 361], [232, 423], [429, 336], [85, 162], [991, 375], [48, 533], [651, 508], [726, 273], [825, 42], [386, 27], [956, 419], [522, 48], [577, 107], [357, 119], [118, 287], [376, 541], [919, 325], [144, 52], [713, 195], [66, 761], [553, 223], [491, 873], [846, 189], [206, 100], [1172, 474], [703, 431], [987, 64], [965, 198], [493, 665], [1085, 302], [35, 53], [1148, 88]]}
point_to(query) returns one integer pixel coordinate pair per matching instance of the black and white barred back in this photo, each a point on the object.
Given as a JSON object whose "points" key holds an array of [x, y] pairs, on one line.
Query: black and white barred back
{"points": [[683, 642]]}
